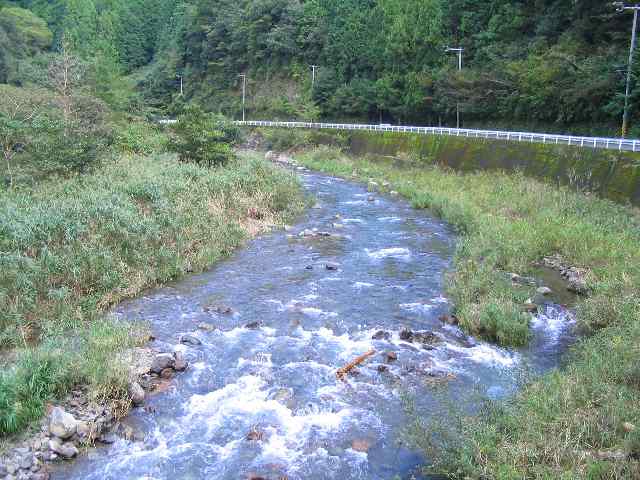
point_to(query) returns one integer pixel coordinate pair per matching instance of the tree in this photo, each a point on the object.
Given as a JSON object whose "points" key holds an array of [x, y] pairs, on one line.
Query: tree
{"points": [[18, 112]]}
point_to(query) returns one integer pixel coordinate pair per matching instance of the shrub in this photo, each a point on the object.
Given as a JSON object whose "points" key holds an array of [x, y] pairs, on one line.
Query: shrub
{"points": [[203, 138]]}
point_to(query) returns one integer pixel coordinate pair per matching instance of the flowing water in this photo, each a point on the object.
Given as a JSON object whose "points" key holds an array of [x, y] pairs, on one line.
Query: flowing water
{"points": [[279, 380]]}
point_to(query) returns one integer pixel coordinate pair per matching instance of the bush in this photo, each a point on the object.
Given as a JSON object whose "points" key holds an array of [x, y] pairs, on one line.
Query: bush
{"points": [[203, 138], [141, 138]]}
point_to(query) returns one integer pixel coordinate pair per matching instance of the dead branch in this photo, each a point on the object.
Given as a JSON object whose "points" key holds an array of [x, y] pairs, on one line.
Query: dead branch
{"points": [[351, 365]]}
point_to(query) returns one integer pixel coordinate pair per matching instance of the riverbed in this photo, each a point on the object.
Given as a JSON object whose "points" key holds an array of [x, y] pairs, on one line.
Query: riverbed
{"points": [[360, 271]]}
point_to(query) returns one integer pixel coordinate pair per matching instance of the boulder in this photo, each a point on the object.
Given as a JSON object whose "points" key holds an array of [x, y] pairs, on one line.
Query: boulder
{"points": [[578, 285], [381, 335], [449, 319], [161, 362], [167, 373], [391, 356], [406, 335], [190, 340], [62, 424], [332, 266], [253, 325], [426, 338], [136, 392], [544, 291], [180, 363], [65, 450], [206, 327]]}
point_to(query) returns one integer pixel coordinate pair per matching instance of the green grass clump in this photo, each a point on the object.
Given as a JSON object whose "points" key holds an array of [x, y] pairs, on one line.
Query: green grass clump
{"points": [[71, 249], [566, 424]]}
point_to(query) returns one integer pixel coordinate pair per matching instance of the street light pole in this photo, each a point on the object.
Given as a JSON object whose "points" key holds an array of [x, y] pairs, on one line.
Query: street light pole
{"points": [[313, 75], [181, 87], [244, 92], [459, 51], [625, 116]]}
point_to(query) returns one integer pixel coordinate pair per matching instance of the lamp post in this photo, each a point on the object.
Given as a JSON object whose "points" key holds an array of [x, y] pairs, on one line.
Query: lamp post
{"points": [[313, 75], [459, 51], [621, 7], [181, 84], [244, 92]]}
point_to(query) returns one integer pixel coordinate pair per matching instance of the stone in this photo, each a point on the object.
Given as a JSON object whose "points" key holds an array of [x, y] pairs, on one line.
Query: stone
{"points": [[449, 319], [371, 198], [161, 362], [406, 335], [360, 445], [3, 470], [190, 340], [62, 424], [611, 455], [307, 233], [167, 373], [426, 338], [255, 435], [544, 291], [253, 325], [391, 356], [530, 307], [628, 427], [65, 450], [382, 368], [108, 438], [332, 266], [577, 285], [269, 156], [284, 396], [394, 193], [136, 392], [11, 468], [26, 462], [309, 267], [180, 363], [83, 429], [381, 335], [206, 327]]}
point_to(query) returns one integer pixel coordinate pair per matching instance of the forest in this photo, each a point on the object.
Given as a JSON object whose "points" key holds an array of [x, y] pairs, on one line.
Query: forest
{"points": [[548, 65]]}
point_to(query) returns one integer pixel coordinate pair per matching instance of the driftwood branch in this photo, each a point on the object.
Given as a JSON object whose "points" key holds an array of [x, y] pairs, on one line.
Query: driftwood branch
{"points": [[341, 373]]}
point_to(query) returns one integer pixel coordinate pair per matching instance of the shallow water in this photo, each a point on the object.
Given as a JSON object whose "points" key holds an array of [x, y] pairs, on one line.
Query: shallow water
{"points": [[280, 379]]}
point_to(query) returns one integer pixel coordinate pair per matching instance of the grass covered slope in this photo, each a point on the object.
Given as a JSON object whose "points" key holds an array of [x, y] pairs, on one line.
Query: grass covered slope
{"points": [[573, 423], [71, 249]]}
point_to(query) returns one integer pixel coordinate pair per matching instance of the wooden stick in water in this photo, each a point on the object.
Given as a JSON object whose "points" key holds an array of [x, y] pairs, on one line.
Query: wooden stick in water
{"points": [[341, 373]]}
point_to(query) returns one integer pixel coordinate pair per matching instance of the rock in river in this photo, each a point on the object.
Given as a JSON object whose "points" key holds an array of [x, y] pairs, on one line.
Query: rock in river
{"points": [[62, 424], [190, 340], [381, 335], [136, 392], [65, 450], [161, 362]]}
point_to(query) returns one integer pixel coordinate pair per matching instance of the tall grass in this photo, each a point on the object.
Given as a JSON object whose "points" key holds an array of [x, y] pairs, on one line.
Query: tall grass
{"points": [[71, 249], [563, 425]]}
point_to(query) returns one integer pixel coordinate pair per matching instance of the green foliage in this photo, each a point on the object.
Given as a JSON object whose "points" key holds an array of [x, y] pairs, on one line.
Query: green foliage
{"points": [[61, 268], [139, 137], [203, 138]]}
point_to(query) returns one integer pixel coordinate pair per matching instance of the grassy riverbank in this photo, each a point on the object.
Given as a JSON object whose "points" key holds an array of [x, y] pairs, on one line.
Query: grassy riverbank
{"points": [[573, 423], [70, 249]]}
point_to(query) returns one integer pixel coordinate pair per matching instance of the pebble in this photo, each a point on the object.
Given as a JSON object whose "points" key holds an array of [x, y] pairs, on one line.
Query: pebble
{"points": [[544, 290]]}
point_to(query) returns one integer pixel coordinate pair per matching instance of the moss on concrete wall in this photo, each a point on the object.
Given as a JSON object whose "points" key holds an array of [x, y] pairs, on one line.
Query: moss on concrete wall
{"points": [[612, 174]]}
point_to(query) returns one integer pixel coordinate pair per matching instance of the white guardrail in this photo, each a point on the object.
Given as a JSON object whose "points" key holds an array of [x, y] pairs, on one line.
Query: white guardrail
{"points": [[589, 142]]}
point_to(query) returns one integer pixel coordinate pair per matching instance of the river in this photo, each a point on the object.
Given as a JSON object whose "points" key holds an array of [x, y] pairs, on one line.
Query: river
{"points": [[264, 402]]}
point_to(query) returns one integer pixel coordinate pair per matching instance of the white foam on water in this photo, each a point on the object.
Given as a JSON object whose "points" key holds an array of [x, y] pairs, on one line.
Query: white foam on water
{"points": [[348, 345], [246, 402], [356, 202], [417, 307], [395, 252], [487, 354], [330, 279], [553, 322], [390, 219], [352, 220], [361, 285]]}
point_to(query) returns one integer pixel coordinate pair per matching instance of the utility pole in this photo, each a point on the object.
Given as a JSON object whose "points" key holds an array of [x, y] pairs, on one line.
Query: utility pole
{"points": [[313, 75], [181, 85], [244, 92], [621, 7], [459, 51]]}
